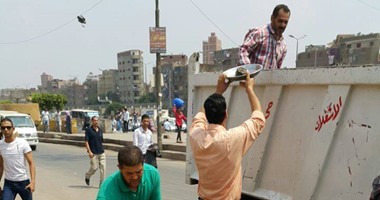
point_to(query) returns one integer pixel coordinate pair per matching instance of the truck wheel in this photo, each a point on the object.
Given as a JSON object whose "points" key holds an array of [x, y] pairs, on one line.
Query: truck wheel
{"points": [[34, 147]]}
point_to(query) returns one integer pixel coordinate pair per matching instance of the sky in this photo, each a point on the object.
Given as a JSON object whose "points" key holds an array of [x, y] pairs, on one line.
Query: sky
{"points": [[45, 36]]}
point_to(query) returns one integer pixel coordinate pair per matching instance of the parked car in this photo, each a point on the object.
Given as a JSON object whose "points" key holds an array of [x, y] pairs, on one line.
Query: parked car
{"points": [[24, 126], [174, 127]]}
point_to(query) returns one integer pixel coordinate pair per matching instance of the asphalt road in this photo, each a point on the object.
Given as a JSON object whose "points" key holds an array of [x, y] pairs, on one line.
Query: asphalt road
{"points": [[61, 168]]}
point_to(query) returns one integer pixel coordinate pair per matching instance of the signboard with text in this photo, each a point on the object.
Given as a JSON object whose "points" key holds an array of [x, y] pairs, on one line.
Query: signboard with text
{"points": [[157, 37]]}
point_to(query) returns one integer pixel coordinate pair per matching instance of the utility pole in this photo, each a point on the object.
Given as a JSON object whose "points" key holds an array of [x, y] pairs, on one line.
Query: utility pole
{"points": [[294, 37], [158, 84]]}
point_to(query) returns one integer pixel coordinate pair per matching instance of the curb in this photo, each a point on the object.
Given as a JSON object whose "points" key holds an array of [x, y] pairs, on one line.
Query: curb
{"points": [[173, 152]]}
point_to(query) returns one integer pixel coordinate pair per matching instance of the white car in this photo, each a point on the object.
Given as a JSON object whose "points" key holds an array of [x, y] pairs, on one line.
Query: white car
{"points": [[24, 126], [174, 127]]}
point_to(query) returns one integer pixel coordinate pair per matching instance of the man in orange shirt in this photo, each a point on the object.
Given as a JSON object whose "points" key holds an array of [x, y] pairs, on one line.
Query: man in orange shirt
{"points": [[218, 152]]}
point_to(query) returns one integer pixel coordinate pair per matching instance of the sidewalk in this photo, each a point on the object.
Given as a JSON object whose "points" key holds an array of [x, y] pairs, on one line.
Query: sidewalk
{"points": [[114, 141], [172, 136]]}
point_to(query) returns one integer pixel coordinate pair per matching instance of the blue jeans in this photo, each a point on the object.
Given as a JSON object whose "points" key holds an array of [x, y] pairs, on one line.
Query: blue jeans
{"points": [[12, 188]]}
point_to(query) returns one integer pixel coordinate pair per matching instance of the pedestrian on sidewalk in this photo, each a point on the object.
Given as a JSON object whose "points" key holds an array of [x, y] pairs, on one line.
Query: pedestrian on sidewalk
{"points": [[218, 152], [125, 120], [14, 152], [45, 120], [58, 122], [68, 122], [134, 180], [86, 122], [179, 117], [142, 138], [166, 125], [94, 146]]}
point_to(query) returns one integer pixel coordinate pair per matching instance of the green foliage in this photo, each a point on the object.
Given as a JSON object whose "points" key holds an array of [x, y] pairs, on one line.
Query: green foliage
{"points": [[49, 101], [114, 106], [5, 101], [148, 98]]}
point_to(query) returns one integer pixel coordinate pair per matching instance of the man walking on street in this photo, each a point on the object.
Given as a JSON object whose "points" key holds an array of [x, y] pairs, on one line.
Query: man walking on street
{"points": [[218, 151], [142, 138], [94, 145], [13, 153]]}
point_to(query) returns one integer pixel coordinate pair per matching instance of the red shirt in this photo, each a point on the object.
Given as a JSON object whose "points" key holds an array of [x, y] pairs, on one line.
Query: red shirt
{"points": [[178, 117]]}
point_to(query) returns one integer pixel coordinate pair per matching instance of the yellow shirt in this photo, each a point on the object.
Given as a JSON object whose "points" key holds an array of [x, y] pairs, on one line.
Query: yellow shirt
{"points": [[218, 154]]}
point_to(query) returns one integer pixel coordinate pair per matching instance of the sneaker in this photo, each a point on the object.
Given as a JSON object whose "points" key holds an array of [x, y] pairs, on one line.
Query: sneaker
{"points": [[87, 180]]}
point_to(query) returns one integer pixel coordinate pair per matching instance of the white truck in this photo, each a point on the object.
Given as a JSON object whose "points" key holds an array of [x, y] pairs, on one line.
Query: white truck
{"points": [[24, 126], [322, 134]]}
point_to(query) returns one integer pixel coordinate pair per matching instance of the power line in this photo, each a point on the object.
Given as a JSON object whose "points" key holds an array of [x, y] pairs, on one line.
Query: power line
{"points": [[51, 31], [204, 14], [368, 4]]}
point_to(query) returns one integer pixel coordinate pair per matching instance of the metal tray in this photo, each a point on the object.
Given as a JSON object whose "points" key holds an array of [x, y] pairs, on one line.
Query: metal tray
{"points": [[253, 69]]}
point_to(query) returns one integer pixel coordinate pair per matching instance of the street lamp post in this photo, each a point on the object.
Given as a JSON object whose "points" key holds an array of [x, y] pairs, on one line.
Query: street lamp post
{"points": [[158, 82], [292, 36]]}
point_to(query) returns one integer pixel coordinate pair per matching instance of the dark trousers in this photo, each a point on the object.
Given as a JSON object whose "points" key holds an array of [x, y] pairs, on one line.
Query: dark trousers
{"points": [[179, 130], [12, 188], [150, 158], [125, 126]]}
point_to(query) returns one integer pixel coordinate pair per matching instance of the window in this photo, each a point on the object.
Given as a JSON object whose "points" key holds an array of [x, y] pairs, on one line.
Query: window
{"points": [[135, 69], [349, 46], [136, 77], [358, 45], [371, 43], [134, 61], [308, 55]]}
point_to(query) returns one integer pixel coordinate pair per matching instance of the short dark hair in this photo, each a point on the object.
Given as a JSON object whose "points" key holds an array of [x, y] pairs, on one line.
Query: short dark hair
{"points": [[6, 119], [144, 116], [93, 117], [130, 155], [277, 9], [215, 108]]}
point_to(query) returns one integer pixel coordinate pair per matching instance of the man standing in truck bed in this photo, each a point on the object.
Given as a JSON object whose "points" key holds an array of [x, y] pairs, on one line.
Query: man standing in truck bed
{"points": [[217, 151]]}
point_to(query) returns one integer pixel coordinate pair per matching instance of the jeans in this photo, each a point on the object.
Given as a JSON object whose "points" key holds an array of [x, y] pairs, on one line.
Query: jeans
{"points": [[46, 126], [12, 188]]}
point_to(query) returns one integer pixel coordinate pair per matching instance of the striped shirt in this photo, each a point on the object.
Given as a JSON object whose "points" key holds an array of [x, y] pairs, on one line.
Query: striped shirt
{"points": [[261, 47]]}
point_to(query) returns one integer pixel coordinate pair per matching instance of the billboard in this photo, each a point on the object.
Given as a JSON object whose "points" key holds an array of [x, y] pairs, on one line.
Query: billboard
{"points": [[157, 37]]}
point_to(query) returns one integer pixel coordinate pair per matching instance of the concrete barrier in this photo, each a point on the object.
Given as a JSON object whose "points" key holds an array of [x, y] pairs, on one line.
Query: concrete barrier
{"points": [[322, 135]]}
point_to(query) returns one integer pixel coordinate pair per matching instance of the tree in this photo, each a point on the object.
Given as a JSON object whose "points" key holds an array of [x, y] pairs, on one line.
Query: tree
{"points": [[5, 101], [148, 98], [49, 101], [114, 106]]}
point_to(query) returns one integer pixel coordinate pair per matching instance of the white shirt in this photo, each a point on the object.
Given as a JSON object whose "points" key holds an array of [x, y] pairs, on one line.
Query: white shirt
{"points": [[14, 159], [142, 139], [167, 126], [126, 116], [45, 115]]}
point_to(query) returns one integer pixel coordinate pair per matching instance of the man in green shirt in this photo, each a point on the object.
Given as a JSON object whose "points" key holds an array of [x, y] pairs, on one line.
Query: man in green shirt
{"points": [[134, 180]]}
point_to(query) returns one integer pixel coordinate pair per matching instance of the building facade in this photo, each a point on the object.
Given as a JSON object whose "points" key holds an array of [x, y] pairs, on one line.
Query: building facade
{"points": [[174, 76], [345, 50], [209, 47], [45, 79], [108, 81], [90, 89], [130, 75]]}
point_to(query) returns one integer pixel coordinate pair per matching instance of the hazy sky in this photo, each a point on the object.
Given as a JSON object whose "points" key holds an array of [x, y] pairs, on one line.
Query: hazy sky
{"points": [[44, 35]]}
